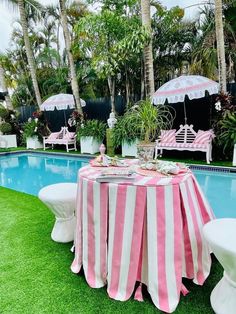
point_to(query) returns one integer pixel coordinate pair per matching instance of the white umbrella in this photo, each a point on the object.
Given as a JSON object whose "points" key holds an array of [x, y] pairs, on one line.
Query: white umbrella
{"points": [[193, 86], [61, 102]]}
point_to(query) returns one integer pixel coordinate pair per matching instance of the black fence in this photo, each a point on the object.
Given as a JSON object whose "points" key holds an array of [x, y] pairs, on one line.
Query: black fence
{"points": [[199, 111], [95, 109]]}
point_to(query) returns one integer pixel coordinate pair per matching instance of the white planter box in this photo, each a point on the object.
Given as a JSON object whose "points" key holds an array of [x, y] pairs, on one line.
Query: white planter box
{"points": [[89, 145], [129, 149], [33, 143], [234, 156], [7, 141]]}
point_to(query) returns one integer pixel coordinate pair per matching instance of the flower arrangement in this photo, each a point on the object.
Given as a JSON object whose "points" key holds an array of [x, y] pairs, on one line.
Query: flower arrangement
{"points": [[35, 126], [224, 103], [76, 119]]}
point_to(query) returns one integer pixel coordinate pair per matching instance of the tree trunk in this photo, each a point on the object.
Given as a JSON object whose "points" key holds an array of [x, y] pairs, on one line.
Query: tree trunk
{"points": [[29, 53], [58, 45], [220, 44], [111, 85], [4, 88], [142, 81], [148, 55], [74, 82], [127, 87]]}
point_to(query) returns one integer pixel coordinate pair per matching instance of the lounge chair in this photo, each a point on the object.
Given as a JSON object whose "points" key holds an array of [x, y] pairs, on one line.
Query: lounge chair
{"points": [[64, 137]]}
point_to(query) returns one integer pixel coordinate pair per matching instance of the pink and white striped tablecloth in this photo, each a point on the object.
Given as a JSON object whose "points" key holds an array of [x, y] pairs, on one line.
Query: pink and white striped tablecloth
{"points": [[147, 230]]}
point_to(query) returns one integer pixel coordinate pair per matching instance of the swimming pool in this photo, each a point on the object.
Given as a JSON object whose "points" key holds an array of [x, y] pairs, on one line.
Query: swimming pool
{"points": [[29, 172]]}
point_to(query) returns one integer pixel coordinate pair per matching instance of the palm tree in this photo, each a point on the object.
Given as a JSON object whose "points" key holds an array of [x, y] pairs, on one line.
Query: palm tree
{"points": [[220, 44], [74, 82], [21, 4], [3, 81], [148, 54]]}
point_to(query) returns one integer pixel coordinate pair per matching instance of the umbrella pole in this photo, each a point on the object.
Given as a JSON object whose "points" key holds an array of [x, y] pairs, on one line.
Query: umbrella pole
{"points": [[65, 117], [185, 116]]}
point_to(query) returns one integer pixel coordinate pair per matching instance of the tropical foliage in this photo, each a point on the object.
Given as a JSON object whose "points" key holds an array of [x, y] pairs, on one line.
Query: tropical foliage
{"points": [[94, 128], [107, 50], [227, 135], [69, 48], [35, 127], [142, 121]]}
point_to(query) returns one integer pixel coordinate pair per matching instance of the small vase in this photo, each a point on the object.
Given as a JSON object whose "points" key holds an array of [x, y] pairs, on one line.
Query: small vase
{"points": [[145, 152], [102, 149]]}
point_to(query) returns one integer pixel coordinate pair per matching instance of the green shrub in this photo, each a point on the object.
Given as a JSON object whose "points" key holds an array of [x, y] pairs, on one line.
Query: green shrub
{"points": [[227, 134], [4, 113], [125, 130], [94, 128], [5, 128]]}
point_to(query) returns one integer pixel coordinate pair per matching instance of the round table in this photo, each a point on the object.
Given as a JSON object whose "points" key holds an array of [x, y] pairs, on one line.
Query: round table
{"points": [[147, 230]]}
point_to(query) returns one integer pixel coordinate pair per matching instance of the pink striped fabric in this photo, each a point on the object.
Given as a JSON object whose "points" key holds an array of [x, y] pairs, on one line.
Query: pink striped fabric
{"points": [[183, 145], [154, 235], [167, 136], [203, 137]]}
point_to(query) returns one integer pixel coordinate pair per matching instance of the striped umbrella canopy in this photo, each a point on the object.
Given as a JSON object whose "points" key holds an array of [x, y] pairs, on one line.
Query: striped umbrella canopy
{"points": [[61, 102], [193, 86]]}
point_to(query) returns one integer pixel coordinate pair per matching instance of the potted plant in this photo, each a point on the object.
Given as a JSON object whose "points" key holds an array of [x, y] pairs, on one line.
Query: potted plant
{"points": [[91, 134], [127, 134], [6, 138], [144, 121], [34, 130], [7, 120]]}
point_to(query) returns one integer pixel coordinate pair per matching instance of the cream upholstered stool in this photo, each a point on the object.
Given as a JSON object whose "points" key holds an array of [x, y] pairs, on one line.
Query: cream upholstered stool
{"points": [[61, 199], [221, 236]]}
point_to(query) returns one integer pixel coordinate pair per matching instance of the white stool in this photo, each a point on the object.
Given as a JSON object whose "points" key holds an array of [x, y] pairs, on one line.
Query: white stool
{"points": [[61, 199], [221, 235]]}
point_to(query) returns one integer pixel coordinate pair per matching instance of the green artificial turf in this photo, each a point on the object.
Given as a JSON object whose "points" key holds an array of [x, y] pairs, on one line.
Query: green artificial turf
{"points": [[35, 274]]}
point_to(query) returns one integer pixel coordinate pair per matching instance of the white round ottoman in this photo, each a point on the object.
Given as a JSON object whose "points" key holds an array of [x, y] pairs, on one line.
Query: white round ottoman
{"points": [[61, 199], [221, 236]]}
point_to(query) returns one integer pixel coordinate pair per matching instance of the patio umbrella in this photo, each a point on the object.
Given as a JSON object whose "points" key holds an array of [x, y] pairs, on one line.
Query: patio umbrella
{"points": [[193, 86], [61, 102]]}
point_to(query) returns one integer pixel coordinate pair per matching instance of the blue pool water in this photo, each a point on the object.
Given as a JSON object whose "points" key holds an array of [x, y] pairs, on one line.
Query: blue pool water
{"points": [[220, 190], [30, 172]]}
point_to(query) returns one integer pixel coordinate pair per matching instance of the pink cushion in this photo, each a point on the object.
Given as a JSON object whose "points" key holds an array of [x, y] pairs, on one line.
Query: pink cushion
{"points": [[168, 136], [53, 136], [69, 135], [203, 137]]}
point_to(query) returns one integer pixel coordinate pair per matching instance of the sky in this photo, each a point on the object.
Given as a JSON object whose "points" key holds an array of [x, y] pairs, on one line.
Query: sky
{"points": [[8, 17]]}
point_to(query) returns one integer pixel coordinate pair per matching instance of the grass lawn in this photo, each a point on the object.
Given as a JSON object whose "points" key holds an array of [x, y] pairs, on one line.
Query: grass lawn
{"points": [[35, 274]]}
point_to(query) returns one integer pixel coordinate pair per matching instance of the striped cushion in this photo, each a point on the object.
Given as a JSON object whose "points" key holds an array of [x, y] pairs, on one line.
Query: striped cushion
{"points": [[182, 145], [167, 136], [203, 137]]}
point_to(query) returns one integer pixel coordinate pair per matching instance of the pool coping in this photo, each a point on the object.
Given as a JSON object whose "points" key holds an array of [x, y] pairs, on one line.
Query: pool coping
{"points": [[192, 165], [47, 153]]}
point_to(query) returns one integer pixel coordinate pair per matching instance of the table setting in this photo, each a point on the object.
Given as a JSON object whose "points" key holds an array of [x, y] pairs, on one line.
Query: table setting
{"points": [[141, 222]]}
